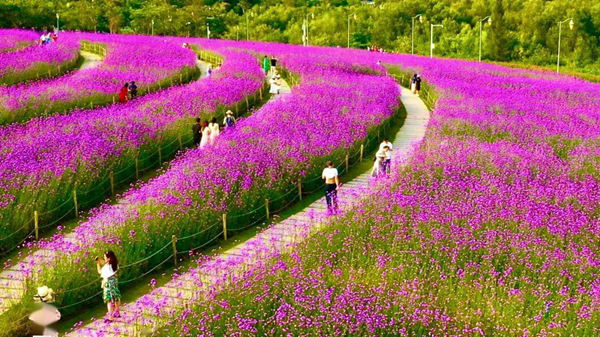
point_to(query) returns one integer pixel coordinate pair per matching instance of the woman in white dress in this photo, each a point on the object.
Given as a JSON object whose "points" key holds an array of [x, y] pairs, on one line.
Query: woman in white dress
{"points": [[205, 131], [214, 130]]}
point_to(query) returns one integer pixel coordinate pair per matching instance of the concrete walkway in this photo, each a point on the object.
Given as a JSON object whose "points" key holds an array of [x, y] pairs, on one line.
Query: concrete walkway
{"points": [[152, 310], [90, 60]]}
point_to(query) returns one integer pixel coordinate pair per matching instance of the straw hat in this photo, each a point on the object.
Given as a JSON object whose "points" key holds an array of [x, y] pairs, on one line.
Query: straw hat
{"points": [[44, 294], [229, 112]]}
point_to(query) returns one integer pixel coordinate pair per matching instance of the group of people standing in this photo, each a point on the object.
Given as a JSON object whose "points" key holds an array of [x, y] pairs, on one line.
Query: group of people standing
{"points": [[206, 133], [48, 37], [128, 91]]}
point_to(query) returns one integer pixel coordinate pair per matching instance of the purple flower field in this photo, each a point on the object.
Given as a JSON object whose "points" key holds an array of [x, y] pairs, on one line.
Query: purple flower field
{"points": [[490, 229], [262, 157], [13, 38], [38, 60], [42, 160], [147, 60]]}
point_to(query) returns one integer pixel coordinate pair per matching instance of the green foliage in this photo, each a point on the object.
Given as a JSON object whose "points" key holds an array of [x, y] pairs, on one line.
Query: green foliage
{"points": [[521, 30]]}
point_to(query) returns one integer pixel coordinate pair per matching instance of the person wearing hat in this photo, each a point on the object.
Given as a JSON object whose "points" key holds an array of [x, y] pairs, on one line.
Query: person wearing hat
{"points": [[46, 315], [229, 120]]}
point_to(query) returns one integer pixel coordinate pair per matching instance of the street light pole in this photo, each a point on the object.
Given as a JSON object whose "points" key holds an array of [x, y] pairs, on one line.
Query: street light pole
{"points": [[431, 39], [571, 24], [349, 16], [57, 22], [412, 40], [152, 27], [480, 29]]}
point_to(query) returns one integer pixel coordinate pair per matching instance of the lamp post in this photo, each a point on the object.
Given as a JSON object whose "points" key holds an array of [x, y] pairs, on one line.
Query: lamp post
{"points": [[57, 22], [244, 13], [152, 27], [431, 46], [489, 20], [412, 40], [349, 16], [188, 25], [571, 25]]}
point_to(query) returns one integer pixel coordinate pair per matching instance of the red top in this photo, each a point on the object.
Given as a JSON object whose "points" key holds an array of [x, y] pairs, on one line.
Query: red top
{"points": [[123, 95]]}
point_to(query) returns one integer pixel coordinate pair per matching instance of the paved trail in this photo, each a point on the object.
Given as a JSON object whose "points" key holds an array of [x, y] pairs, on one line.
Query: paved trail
{"points": [[91, 60], [192, 286]]}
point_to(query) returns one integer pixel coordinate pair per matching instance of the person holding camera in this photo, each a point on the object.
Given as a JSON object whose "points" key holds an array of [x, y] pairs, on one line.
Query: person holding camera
{"points": [[107, 268]]}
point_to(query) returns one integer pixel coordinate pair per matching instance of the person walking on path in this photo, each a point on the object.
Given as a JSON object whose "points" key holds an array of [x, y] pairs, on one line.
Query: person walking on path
{"points": [[418, 85], [387, 163], [413, 84], [133, 90], [266, 65], [123, 93], [229, 121], [332, 183], [214, 130], [196, 131], [204, 134], [108, 268]]}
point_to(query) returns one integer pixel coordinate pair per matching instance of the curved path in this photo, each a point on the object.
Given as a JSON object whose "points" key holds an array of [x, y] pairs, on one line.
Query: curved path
{"points": [[221, 270], [90, 60]]}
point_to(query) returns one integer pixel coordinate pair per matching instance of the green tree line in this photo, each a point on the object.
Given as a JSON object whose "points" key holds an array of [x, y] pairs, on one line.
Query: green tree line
{"points": [[520, 30]]}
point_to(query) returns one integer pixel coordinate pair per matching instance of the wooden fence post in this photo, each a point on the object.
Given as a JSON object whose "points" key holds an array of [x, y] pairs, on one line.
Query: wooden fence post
{"points": [[362, 151], [137, 172], [225, 226], [300, 188], [36, 224], [75, 202], [267, 208], [347, 162], [174, 241], [112, 182]]}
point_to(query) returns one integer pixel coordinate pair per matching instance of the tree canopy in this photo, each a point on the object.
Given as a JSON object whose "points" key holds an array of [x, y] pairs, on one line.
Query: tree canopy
{"points": [[520, 30]]}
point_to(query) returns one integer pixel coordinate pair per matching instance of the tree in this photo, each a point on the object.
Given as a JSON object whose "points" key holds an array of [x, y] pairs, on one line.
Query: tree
{"points": [[498, 42]]}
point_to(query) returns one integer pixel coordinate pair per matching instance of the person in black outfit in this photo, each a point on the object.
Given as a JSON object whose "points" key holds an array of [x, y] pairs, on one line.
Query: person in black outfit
{"points": [[196, 128], [418, 85], [133, 89]]}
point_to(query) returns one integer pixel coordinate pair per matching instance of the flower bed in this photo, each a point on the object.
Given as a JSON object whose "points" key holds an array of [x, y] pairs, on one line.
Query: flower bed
{"points": [[39, 61], [491, 228], [152, 63], [45, 160], [11, 39], [328, 115]]}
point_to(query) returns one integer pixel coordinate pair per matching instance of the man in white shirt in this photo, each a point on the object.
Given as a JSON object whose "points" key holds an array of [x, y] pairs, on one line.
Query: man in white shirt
{"points": [[332, 183], [387, 162]]}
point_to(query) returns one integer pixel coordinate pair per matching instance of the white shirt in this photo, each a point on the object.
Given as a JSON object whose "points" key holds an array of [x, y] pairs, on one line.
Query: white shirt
{"points": [[330, 173], [106, 272]]}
